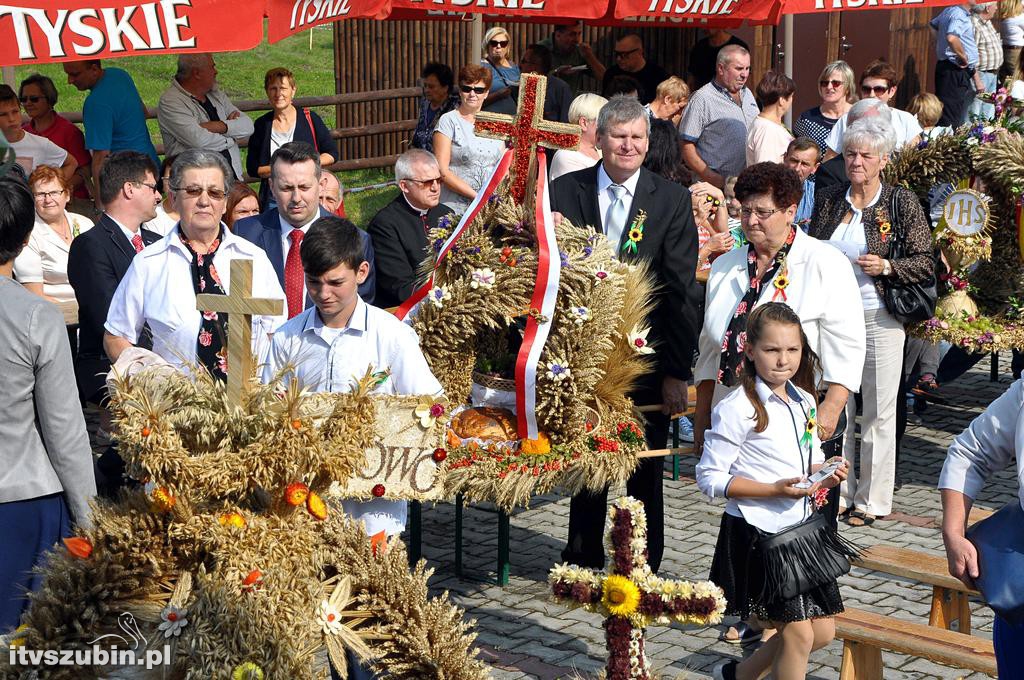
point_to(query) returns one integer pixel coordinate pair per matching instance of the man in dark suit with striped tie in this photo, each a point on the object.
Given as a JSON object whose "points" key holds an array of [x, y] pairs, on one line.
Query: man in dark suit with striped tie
{"points": [[609, 197]]}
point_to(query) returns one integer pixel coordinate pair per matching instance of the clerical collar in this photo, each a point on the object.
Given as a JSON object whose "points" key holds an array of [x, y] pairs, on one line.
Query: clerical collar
{"points": [[419, 211]]}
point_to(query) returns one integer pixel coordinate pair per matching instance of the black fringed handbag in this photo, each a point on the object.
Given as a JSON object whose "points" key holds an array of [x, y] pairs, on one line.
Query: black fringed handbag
{"points": [[805, 556]]}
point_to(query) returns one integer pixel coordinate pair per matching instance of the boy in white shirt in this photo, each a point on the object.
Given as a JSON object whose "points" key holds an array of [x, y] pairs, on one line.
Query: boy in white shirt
{"points": [[331, 343], [30, 150]]}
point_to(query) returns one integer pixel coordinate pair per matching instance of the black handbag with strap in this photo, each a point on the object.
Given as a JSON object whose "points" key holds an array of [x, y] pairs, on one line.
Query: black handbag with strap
{"points": [[907, 302]]}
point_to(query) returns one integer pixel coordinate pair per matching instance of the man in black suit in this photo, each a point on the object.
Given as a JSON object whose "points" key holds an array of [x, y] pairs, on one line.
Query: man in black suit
{"points": [[608, 196], [99, 258], [399, 230], [295, 183]]}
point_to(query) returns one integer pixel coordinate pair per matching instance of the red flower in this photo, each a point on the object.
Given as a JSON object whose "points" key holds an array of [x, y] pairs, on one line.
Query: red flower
{"points": [[205, 338], [378, 490], [437, 410]]}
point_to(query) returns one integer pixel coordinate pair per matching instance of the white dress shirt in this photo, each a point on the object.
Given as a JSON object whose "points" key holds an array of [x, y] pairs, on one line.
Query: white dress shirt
{"points": [[989, 444], [605, 199], [733, 449], [330, 360], [822, 291], [128, 233], [157, 289], [849, 239], [45, 258], [286, 242], [161, 224]]}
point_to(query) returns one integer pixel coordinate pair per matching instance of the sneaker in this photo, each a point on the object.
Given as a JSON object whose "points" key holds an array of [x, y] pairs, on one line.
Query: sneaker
{"points": [[725, 670], [685, 430]]}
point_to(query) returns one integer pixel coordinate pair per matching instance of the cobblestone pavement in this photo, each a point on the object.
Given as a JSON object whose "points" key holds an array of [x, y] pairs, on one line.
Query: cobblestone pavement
{"points": [[523, 634]]}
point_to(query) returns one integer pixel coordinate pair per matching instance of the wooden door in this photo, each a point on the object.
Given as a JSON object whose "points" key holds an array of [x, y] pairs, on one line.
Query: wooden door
{"points": [[812, 52]]}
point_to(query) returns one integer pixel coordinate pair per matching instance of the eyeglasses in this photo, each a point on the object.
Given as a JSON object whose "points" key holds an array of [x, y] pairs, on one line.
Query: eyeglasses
{"points": [[479, 89], [425, 183], [151, 187], [834, 83], [45, 195], [193, 191], [31, 99], [762, 213], [623, 55], [498, 43], [873, 89]]}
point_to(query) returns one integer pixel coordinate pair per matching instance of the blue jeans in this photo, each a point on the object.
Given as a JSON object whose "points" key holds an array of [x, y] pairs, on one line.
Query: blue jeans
{"points": [[1009, 642], [978, 108]]}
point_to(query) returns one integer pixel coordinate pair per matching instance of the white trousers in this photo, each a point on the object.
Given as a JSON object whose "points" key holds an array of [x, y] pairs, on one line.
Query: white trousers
{"points": [[870, 487]]}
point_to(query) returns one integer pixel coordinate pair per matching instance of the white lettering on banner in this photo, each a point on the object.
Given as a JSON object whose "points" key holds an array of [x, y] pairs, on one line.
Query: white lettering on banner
{"points": [[854, 4], [89, 32], [703, 7], [313, 11], [494, 4]]}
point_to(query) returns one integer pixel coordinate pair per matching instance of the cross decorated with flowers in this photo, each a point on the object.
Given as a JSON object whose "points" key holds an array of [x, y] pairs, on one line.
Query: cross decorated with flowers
{"points": [[630, 596], [527, 130]]}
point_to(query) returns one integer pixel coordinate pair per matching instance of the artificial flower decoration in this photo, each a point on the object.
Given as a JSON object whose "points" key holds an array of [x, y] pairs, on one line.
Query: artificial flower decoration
{"points": [[781, 282], [439, 455], [378, 491], [378, 543], [247, 671], [330, 618], [252, 581], [620, 595], [172, 620], [232, 519], [809, 426], [160, 499], [482, 278], [558, 370], [580, 315], [638, 340], [296, 493], [316, 506], [884, 227], [79, 547], [601, 275], [437, 296], [536, 447], [820, 498], [431, 409], [635, 233]]}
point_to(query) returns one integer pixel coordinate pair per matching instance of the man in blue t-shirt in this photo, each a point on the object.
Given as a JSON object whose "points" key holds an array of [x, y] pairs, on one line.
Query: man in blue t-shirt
{"points": [[956, 55], [113, 114]]}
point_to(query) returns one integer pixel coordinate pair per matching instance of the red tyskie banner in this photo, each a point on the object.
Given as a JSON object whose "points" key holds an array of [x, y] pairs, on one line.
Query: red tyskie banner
{"points": [[695, 12], [42, 31], [540, 11], [813, 6], [288, 17]]}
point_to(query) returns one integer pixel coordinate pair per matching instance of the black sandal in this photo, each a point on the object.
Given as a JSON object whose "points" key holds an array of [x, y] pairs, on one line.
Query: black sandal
{"points": [[859, 518]]}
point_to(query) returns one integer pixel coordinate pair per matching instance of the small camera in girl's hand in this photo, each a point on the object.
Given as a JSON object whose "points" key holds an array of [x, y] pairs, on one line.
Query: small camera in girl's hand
{"points": [[821, 475]]}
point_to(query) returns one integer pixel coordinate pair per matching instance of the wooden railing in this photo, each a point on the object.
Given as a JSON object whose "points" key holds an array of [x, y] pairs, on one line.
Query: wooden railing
{"points": [[248, 105]]}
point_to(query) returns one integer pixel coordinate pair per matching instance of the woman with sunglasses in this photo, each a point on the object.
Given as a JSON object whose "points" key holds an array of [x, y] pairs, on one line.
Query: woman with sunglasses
{"points": [[465, 160], [505, 73], [837, 89], [39, 95]]}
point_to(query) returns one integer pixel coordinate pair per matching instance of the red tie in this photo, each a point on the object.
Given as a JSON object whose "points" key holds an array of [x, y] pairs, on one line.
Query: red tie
{"points": [[293, 277], [137, 242]]}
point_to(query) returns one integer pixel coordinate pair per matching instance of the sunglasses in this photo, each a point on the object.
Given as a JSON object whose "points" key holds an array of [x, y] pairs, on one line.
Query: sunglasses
{"points": [[480, 89], [193, 191], [876, 89], [623, 55], [834, 83], [32, 99], [425, 183], [498, 43]]}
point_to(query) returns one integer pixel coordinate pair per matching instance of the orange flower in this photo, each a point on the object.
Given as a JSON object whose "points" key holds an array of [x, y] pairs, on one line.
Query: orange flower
{"points": [[316, 506], [252, 581], [79, 547], [232, 519], [536, 447], [296, 493], [161, 500]]}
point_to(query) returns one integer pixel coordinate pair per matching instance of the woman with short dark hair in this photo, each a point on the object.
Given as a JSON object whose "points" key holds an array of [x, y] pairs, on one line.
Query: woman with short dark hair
{"points": [[439, 97]]}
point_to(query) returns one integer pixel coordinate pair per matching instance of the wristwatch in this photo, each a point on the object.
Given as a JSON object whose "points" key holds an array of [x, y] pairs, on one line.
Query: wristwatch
{"points": [[886, 268]]}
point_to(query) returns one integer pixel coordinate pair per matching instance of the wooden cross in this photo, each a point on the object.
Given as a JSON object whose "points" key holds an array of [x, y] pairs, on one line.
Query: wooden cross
{"points": [[241, 306], [526, 130], [630, 596]]}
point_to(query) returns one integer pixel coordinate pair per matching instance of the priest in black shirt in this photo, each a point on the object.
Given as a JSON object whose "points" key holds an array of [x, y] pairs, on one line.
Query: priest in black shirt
{"points": [[399, 231]]}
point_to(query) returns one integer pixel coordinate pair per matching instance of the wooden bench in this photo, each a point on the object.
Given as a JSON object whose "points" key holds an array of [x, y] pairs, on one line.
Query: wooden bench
{"points": [[865, 635], [950, 597]]}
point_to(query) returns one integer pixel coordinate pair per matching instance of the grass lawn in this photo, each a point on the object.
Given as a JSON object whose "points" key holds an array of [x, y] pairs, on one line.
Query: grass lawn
{"points": [[240, 75]]}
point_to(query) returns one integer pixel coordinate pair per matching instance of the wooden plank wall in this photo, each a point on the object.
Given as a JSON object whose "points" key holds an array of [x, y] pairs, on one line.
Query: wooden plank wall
{"points": [[390, 54]]}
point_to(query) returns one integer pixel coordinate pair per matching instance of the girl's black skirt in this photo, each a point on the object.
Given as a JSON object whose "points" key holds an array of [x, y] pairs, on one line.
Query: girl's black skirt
{"points": [[738, 569]]}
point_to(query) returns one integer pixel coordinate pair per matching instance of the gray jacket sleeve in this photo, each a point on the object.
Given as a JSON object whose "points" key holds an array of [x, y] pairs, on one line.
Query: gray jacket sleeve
{"points": [[59, 413]]}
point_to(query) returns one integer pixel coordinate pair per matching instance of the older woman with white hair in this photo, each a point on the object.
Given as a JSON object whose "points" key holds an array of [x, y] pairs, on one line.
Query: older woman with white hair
{"points": [[583, 111], [862, 218]]}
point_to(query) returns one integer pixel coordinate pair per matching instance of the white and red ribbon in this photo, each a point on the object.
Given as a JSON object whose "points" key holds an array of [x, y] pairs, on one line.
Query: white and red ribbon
{"points": [[545, 294], [482, 196]]}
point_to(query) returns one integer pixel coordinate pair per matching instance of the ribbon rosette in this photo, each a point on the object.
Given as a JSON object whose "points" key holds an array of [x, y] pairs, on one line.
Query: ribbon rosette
{"points": [[635, 234], [812, 422]]}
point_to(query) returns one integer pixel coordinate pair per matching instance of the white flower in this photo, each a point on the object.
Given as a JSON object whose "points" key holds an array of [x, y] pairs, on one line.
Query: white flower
{"points": [[438, 295], [558, 371], [988, 129], [638, 340], [172, 620], [330, 618], [482, 278], [581, 314], [972, 141]]}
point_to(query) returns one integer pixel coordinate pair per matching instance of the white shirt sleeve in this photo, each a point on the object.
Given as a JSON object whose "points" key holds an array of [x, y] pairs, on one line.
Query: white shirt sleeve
{"points": [[409, 367], [835, 138], [841, 336], [986, 446], [729, 429], [126, 315]]}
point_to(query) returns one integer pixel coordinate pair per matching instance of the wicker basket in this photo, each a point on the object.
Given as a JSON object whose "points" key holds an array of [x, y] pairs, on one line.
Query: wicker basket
{"points": [[492, 383]]}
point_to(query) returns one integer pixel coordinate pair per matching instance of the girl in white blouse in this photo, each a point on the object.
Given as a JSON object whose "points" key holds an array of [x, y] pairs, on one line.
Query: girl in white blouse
{"points": [[762, 443]]}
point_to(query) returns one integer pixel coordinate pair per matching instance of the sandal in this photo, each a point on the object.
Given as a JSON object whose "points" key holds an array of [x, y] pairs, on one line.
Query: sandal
{"points": [[859, 518], [845, 514], [743, 634]]}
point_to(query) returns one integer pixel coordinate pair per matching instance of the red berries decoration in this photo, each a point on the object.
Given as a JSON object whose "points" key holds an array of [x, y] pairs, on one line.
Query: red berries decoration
{"points": [[378, 490], [439, 455]]}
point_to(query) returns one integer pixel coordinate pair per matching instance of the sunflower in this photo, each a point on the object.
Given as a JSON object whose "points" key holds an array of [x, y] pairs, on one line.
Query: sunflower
{"points": [[620, 596], [781, 281], [247, 671], [636, 234]]}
